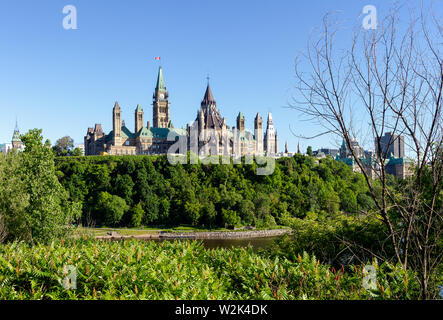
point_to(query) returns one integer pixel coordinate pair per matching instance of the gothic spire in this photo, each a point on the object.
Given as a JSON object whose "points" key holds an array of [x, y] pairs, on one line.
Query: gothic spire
{"points": [[16, 134], [208, 96], [270, 122], [160, 82]]}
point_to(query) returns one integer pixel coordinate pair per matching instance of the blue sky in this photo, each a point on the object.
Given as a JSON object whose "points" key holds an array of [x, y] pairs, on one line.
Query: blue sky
{"points": [[65, 81]]}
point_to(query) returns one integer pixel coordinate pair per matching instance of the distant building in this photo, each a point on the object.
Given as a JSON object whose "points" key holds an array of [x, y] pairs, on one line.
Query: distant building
{"points": [[144, 139], [286, 153], [5, 148], [367, 160], [399, 167], [391, 144], [208, 125], [16, 142], [345, 152], [271, 140], [323, 152], [393, 149], [396, 165]]}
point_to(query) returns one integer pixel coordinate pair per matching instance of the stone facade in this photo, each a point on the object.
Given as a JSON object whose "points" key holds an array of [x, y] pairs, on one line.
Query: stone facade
{"points": [[399, 167]]}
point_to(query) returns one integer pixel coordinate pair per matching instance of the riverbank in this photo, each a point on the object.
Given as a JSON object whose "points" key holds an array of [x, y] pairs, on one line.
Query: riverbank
{"points": [[113, 235]]}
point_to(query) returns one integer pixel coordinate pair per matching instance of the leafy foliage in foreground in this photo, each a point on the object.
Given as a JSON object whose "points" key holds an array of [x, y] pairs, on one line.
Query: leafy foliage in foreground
{"points": [[182, 270]]}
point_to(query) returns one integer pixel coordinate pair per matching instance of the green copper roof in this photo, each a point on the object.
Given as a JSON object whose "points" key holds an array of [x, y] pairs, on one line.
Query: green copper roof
{"points": [[126, 133], [161, 133], [160, 81], [348, 161], [145, 133], [240, 115], [393, 160], [16, 136], [139, 108]]}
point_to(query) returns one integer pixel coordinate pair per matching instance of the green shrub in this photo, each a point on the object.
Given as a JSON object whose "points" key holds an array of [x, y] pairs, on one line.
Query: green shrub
{"points": [[337, 240]]}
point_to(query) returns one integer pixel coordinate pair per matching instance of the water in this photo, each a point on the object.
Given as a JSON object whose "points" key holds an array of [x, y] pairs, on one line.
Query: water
{"points": [[255, 243]]}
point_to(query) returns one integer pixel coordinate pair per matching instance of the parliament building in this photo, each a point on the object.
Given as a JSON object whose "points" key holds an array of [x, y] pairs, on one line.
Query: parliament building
{"points": [[147, 139]]}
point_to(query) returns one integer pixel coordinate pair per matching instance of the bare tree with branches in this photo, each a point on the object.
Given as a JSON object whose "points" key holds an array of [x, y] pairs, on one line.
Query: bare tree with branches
{"points": [[392, 78]]}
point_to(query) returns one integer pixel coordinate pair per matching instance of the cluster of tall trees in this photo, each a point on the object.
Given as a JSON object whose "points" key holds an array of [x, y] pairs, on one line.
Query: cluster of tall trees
{"points": [[34, 206], [147, 190]]}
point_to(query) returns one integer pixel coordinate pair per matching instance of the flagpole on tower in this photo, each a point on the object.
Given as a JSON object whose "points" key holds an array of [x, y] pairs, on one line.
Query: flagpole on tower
{"points": [[158, 59]]}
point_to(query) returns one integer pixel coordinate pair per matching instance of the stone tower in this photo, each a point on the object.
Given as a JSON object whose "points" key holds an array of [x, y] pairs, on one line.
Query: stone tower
{"points": [[270, 138], [160, 104], [16, 141], [258, 131], [138, 118], [117, 124], [276, 143], [240, 122]]}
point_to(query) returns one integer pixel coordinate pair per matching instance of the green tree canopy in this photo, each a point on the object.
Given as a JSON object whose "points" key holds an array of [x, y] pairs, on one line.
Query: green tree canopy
{"points": [[35, 205]]}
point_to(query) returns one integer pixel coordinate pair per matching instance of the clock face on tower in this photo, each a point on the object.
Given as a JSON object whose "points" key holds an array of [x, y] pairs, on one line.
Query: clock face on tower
{"points": [[162, 96]]}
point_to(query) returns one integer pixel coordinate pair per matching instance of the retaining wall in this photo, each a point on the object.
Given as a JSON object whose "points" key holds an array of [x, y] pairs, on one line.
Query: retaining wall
{"points": [[225, 234]]}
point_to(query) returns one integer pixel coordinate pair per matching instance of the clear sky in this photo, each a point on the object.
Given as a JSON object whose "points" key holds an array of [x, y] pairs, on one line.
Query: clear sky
{"points": [[65, 81]]}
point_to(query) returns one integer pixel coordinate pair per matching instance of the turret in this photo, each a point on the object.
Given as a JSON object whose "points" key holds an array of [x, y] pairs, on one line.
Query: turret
{"points": [[258, 131], [240, 122], [270, 137], [16, 141], [116, 121], [138, 118]]}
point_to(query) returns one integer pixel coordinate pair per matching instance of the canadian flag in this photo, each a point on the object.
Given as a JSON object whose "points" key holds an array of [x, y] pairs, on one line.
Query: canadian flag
{"points": [[157, 58]]}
